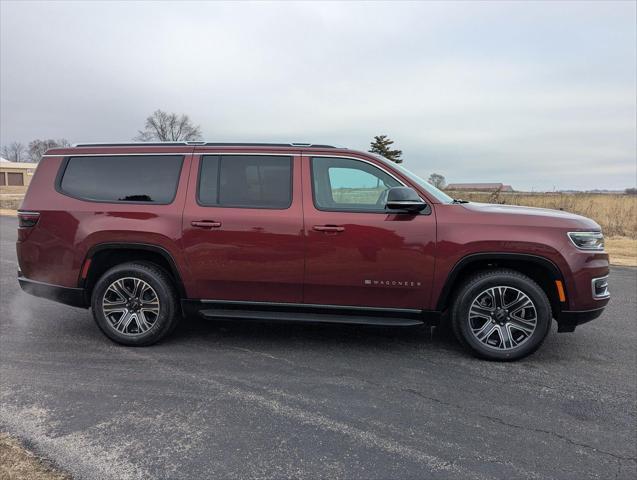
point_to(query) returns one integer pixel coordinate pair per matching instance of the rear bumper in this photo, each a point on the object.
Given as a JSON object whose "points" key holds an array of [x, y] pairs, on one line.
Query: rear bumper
{"points": [[568, 320], [66, 295]]}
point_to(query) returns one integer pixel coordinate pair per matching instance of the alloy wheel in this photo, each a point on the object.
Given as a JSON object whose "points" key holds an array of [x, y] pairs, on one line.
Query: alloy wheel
{"points": [[502, 318], [131, 306]]}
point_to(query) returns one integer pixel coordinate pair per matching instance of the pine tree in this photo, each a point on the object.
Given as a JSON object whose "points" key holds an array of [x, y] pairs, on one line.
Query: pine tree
{"points": [[381, 145]]}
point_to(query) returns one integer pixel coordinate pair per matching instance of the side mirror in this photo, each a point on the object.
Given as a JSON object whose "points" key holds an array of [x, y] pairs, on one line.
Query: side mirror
{"points": [[405, 199]]}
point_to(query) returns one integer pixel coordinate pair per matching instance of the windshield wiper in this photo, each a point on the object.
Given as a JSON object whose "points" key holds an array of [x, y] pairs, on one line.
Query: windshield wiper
{"points": [[459, 200]]}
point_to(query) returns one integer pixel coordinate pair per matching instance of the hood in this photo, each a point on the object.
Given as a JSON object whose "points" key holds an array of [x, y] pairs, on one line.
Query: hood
{"points": [[541, 216]]}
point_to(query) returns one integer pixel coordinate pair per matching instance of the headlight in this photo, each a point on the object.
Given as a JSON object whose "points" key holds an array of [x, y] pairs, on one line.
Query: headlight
{"points": [[587, 240]]}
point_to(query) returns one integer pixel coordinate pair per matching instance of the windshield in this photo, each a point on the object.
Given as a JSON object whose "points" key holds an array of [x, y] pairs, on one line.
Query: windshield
{"points": [[439, 195]]}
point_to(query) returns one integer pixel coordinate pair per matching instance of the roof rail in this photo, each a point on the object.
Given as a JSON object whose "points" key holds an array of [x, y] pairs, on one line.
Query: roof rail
{"points": [[199, 143], [126, 144]]}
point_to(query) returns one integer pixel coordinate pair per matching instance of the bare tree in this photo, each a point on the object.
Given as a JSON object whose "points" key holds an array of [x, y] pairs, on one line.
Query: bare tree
{"points": [[496, 195], [437, 180], [38, 147], [168, 127], [14, 152]]}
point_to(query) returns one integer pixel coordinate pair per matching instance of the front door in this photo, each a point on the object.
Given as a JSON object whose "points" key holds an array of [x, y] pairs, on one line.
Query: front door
{"points": [[357, 253], [243, 227]]}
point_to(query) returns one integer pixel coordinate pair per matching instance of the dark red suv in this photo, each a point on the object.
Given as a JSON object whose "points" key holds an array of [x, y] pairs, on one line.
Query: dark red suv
{"points": [[145, 233]]}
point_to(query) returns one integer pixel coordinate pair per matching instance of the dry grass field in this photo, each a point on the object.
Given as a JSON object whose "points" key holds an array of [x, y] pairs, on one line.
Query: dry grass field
{"points": [[622, 251], [616, 214]]}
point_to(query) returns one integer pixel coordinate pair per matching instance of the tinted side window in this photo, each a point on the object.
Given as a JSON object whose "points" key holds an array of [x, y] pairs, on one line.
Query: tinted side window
{"points": [[249, 181], [138, 179], [343, 184]]}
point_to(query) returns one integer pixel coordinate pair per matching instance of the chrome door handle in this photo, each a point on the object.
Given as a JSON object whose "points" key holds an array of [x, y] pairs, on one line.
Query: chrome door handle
{"points": [[205, 224], [328, 228]]}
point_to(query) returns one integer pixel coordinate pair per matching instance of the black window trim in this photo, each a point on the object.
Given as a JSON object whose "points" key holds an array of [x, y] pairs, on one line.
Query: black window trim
{"points": [[66, 160], [384, 211], [248, 154]]}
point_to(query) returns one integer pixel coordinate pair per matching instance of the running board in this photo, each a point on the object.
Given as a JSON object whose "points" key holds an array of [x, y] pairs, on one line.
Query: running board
{"points": [[308, 317]]}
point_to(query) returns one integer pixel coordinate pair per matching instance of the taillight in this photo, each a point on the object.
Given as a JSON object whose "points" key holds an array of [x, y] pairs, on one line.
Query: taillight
{"points": [[28, 219]]}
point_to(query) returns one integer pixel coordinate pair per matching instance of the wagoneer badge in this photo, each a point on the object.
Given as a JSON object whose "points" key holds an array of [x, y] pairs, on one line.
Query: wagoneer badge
{"points": [[391, 283]]}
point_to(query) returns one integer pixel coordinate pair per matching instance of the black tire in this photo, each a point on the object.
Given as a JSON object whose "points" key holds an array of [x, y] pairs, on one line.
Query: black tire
{"points": [[479, 283], [161, 286]]}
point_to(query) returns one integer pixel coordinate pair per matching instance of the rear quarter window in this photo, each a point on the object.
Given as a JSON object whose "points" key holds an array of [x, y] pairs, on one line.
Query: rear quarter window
{"points": [[128, 179]]}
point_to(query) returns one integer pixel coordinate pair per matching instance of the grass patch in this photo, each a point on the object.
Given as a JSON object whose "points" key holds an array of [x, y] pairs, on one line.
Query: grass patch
{"points": [[17, 463]]}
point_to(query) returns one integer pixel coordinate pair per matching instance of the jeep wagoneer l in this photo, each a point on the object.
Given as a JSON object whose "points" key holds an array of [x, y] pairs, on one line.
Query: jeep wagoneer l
{"points": [[144, 233]]}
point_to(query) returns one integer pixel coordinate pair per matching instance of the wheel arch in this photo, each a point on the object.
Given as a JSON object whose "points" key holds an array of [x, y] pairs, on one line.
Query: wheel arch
{"points": [[106, 255], [540, 269]]}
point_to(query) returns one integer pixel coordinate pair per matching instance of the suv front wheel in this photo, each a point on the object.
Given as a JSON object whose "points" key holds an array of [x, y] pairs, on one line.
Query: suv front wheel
{"points": [[135, 304], [501, 315]]}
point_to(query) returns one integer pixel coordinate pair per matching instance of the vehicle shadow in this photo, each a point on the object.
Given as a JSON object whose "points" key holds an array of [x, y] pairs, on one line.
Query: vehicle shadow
{"points": [[307, 335]]}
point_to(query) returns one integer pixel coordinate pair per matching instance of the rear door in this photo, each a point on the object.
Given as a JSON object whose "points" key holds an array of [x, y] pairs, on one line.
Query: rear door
{"points": [[357, 253], [243, 226]]}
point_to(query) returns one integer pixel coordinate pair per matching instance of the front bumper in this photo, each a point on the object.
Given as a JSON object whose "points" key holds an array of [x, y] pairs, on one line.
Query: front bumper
{"points": [[69, 296], [586, 284], [568, 320]]}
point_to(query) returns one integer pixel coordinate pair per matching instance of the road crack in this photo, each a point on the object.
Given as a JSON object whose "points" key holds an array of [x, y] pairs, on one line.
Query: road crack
{"points": [[522, 427]]}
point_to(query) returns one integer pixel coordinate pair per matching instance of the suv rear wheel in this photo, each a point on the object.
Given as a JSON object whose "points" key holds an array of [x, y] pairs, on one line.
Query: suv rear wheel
{"points": [[135, 304], [501, 315]]}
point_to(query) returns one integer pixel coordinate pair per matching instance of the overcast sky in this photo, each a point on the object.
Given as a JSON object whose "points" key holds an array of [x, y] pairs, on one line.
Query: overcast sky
{"points": [[538, 95]]}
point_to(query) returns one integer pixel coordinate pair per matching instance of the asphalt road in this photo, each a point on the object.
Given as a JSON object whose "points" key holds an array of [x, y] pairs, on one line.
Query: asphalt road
{"points": [[244, 400]]}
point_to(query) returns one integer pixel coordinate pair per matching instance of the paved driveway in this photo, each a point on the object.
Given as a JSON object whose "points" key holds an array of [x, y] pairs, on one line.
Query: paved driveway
{"points": [[244, 400]]}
